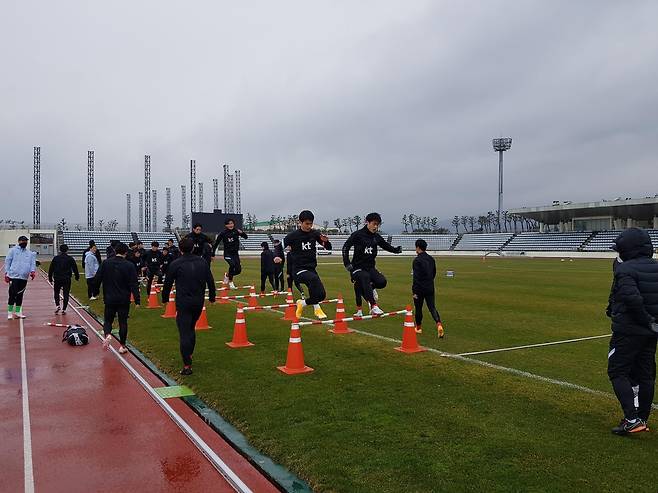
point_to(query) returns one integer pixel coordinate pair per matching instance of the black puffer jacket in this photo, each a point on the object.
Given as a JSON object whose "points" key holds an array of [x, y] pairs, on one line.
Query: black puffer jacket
{"points": [[634, 293]]}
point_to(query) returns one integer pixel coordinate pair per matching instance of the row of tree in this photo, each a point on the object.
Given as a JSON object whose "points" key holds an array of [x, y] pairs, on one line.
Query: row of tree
{"points": [[414, 223], [11, 224], [108, 225], [488, 223]]}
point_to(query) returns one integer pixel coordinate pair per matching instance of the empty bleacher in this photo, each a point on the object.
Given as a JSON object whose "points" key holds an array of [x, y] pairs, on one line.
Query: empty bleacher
{"points": [[254, 240], [547, 242], [603, 240], [148, 237], [434, 242], [483, 241], [78, 241]]}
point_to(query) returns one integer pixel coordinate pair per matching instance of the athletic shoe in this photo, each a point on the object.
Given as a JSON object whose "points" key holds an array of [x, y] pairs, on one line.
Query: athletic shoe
{"points": [[123, 350], [19, 315], [439, 330], [419, 329], [187, 370], [374, 293], [319, 313], [63, 312], [358, 313], [106, 341], [225, 281], [93, 298], [375, 310], [231, 285], [300, 309], [10, 316], [56, 310], [625, 427]]}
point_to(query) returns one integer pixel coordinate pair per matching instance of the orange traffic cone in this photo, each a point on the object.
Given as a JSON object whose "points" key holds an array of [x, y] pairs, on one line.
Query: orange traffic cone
{"points": [[239, 331], [295, 359], [170, 307], [223, 292], [409, 341], [253, 297], [290, 309], [202, 323], [153, 300], [340, 326], [132, 297]]}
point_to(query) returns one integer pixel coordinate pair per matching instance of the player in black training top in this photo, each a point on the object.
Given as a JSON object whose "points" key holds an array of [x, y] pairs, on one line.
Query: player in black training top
{"points": [[278, 265], [424, 272], [198, 238], [303, 256], [231, 239], [266, 267], [366, 278], [153, 262]]}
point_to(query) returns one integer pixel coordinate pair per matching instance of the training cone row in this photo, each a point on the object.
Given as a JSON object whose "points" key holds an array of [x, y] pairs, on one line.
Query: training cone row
{"points": [[202, 323], [239, 331], [153, 300], [290, 309], [170, 308], [340, 326], [295, 359], [409, 340]]}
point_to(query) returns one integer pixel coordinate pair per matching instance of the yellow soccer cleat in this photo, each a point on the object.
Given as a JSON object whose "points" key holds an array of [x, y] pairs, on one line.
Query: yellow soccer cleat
{"points": [[300, 309], [319, 313], [439, 329]]}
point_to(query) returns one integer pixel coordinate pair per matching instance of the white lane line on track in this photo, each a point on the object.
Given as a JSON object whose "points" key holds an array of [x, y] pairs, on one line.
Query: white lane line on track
{"points": [[223, 468], [473, 361], [27, 429], [527, 346]]}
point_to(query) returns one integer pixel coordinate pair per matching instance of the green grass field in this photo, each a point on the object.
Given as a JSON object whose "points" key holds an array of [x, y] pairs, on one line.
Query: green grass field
{"points": [[370, 419]]}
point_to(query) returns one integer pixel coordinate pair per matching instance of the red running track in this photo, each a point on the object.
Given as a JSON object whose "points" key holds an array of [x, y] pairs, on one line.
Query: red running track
{"points": [[93, 426]]}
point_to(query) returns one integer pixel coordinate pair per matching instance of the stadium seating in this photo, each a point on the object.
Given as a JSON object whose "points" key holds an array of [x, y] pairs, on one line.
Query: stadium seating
{"points": [[434, 242], [547, 242], [148, 237], [483, 241], [78, 241], [254, 241], [602, 240]]}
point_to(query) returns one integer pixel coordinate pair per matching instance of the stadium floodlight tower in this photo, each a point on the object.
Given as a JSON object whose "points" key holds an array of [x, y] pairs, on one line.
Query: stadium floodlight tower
{"points": [[501, 145]]}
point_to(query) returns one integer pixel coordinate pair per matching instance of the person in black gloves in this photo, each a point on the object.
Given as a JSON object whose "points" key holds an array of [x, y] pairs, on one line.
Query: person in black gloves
{"points": [[633, 308], [366, 278], [173, 249], [119, 281], [153, 262], [192, 275], [424, 272], [266, 267], [303, 256], [61, 269], [230, 237]]}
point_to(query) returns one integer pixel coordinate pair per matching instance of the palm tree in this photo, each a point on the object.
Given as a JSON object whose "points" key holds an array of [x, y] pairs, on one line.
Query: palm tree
{"points": [[411, 221], [482, 221], [471, 222], [464, 220], [435, 224], [405, 223]]}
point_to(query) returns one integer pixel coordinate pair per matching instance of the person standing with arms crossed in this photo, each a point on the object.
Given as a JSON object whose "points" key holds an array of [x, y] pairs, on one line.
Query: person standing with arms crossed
{"points": [[19, 265], [119, 279], [61, 269], [192, 275]]}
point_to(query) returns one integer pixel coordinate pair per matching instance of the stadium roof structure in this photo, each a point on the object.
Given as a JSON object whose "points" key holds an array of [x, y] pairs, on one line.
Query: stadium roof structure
{"points": [[638, 211]]}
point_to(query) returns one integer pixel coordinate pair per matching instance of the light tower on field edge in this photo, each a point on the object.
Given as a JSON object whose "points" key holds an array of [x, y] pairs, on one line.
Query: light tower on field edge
{"points": [[501, 145]]}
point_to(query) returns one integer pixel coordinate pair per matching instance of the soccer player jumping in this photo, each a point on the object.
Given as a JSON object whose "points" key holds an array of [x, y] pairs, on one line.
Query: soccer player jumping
{"points": [[366, 278], [303, 257], [231, 239]]}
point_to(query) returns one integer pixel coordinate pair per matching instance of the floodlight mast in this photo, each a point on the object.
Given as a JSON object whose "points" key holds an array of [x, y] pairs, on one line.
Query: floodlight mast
{"points": [[501, 145]]}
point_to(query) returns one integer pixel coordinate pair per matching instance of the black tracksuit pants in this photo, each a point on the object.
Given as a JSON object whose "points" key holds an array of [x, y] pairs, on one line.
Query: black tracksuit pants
{"points": [[234, 265], [149, 283], [365, 280], [92, 290], [290, 279], [120, 311], [186, 318], [65, 287], [16, 290], [278, 277], [426, 297], [267, 276], [632, 361], [316, 291]]}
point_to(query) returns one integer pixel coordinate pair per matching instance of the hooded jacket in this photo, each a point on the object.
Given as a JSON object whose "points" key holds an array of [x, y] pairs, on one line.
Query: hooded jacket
{"points": [[20, 262], [634, 293]]}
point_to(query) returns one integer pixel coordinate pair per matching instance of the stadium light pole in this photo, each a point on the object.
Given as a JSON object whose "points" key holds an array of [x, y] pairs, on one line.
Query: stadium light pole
{"points": [[501, 145]]}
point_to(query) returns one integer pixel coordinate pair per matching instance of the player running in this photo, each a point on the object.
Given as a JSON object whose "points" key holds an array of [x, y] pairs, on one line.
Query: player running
{"points": [[231, 239], [366, 278], [303, 255]]}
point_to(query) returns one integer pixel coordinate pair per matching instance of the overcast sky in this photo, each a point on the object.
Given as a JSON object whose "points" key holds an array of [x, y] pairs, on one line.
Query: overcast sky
{"points": [[342, 107]]}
